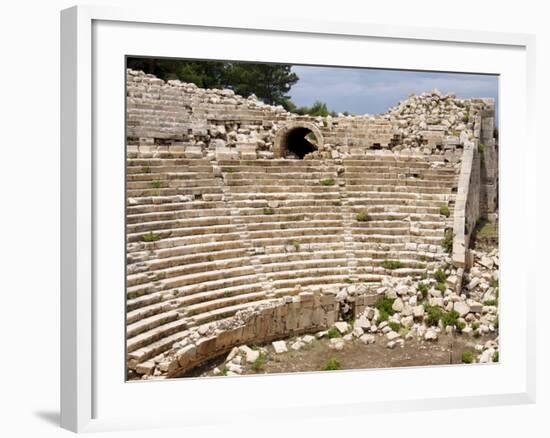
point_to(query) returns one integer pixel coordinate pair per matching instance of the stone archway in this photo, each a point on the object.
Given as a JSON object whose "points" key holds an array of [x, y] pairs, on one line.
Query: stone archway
{"points": [[298, 138]]}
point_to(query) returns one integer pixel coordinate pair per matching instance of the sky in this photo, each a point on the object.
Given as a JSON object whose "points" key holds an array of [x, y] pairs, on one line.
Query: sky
{"points": [[374, 91]]}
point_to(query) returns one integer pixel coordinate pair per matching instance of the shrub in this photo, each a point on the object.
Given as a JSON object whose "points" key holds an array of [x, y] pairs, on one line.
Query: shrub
{"points": [[296, 245], [440, 276], [467, 357], [447, 242], [150, 237], [481, 148], [395, 326], [328, 181], [460, 326], [475, 325], [444, 211], [332, 365], [466, 118], [442, 287], [158, 184], [450, 318], [490, 302], [494, 283], [258, 364], [268, 211], [423, 289], [433, 315], [495, 356], [362, 216], [333, 333], [384, 306], [392, 264]]}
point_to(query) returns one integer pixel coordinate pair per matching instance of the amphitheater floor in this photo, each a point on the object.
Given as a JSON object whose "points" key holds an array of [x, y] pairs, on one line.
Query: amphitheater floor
{"points": [[356, 355]]}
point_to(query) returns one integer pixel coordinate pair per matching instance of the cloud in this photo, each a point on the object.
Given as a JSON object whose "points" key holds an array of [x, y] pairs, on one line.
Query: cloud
{"points": [[373, 91]]}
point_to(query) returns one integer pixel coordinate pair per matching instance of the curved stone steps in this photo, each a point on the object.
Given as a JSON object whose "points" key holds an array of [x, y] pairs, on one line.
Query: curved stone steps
{"points": [[184, 303], [187, 269], [185, 236], [177, 215]]}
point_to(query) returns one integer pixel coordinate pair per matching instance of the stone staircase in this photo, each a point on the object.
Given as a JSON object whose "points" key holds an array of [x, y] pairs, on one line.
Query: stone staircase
{"points": [[207, 239]]}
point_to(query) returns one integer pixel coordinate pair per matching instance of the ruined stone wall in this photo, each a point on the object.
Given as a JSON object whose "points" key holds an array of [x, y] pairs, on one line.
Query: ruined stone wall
{"points": [[181, 118], [289, 316]]}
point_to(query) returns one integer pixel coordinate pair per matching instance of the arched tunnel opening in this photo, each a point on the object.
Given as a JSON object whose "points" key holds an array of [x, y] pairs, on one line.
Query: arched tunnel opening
{"points": [[299, 141]]}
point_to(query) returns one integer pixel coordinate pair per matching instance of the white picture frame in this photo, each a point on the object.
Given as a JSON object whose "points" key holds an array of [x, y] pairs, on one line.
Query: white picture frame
{"points": [[85, 175]]}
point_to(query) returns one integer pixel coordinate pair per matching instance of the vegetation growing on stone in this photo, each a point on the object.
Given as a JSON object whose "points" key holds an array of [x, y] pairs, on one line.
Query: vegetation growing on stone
{"points": [[392, 264], [467, 357], [258, 364], [444, 211], [384, 306], [158, 184], [328, 181], [423, 289], [447, 243], [150, 237], [440, 276], [362, 216], [268, 211], [395, 326], [332, 365]]}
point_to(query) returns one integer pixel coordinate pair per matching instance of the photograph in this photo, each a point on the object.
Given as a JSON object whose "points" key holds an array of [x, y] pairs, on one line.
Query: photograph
{"points": [[287, 218]]}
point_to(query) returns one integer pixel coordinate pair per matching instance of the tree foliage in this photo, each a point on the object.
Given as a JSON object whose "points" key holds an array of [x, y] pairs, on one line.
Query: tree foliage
{"points": [[269, 82]]}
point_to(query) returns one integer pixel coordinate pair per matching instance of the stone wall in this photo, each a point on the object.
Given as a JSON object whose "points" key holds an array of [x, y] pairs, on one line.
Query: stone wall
{"points": [[180, 118], [307, 312]]}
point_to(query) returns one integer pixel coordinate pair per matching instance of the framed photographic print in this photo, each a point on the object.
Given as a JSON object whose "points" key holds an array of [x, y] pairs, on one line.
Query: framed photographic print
{"points": [[291, 209]]}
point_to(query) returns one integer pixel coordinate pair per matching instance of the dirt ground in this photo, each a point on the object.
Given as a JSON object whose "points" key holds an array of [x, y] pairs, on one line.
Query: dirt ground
{"points": [[356, 355]]}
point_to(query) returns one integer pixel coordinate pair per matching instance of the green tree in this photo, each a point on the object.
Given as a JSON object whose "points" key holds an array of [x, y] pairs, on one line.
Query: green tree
{"points": [[269, 82]]}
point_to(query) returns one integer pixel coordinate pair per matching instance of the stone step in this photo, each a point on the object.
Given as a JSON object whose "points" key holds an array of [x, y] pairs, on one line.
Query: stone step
{"points": [[304, 264], [208, 256], [146, 340], [187, 177], [215, 304], [175, 215], [187, 269], [150, 208], [149, 323], [196, 228], [225, 312], [384, 238], [299, 255], [206, 184], [173, 191], [180, 302], [293, 233]]}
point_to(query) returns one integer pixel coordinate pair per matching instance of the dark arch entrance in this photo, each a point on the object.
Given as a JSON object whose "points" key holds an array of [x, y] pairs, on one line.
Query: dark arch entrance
{"points": [[297, 139]]}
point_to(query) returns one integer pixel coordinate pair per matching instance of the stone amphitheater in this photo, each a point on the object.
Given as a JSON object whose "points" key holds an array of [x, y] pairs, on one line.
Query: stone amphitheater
{"points": [[247, 224]]}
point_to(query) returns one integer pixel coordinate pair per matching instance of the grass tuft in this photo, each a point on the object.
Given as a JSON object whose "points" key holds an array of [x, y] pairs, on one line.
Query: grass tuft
{"points": [[362, 216], [332, 365], [328, 181], [467, 357], [150, 237], [392, 264]]}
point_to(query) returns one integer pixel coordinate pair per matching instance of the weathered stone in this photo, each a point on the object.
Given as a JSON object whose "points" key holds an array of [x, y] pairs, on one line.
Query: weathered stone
{"points": [[279, 347], [342, 327], [461, 307]]}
